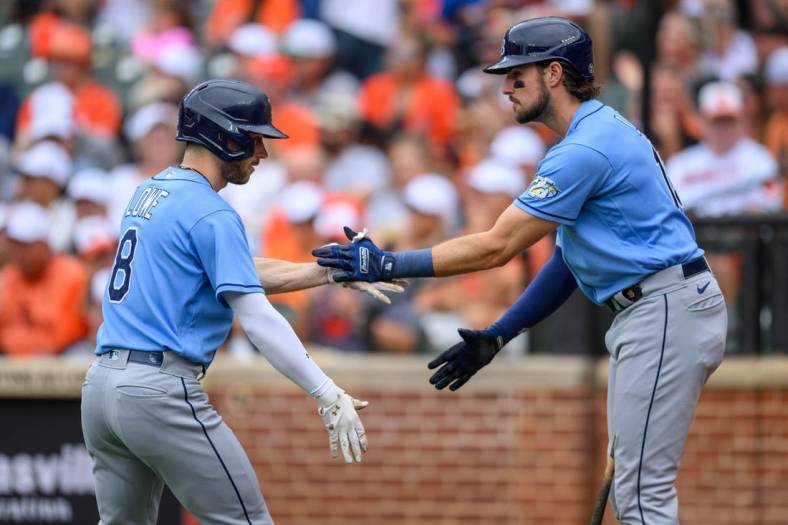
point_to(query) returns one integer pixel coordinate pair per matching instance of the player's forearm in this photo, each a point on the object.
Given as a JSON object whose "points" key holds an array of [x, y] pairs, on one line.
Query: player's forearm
{"points": [[470, 253], [277, 276], [513, 232], [271, 334]]}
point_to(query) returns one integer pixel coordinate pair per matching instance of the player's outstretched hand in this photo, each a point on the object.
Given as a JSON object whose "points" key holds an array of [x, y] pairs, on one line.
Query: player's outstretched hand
{"points": [[375, 290], [461, 361], [345, 430], [358, 260]]}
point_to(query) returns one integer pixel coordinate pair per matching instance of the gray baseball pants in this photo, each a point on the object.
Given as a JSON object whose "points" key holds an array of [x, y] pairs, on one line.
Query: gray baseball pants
{"points": [[147, 426], [662, 350]]}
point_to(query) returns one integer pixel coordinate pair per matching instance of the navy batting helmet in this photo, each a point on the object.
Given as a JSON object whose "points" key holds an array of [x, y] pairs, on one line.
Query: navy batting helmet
{"points": [[219, 111], [547, 38]]}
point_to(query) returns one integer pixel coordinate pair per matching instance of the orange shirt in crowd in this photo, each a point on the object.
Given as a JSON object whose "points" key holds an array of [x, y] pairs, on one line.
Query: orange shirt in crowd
{"points": [[44, 316], [298, 124], [227, 15], [96, 111], [776, 139], [432, 107]]}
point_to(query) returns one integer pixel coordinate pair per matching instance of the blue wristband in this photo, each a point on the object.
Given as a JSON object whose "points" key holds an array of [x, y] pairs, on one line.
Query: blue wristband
{"points": [[551, 287], [414, 263]]}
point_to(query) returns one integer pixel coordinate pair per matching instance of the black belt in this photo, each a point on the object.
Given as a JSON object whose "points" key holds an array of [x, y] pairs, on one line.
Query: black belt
{"points": [[628, 296], [146, 358]]}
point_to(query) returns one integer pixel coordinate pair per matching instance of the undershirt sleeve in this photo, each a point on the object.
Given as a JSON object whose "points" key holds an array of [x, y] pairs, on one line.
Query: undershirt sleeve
{"points": [[273, 336]]}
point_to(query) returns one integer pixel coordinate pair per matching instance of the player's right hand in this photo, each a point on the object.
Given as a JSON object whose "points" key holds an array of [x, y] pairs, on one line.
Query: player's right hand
{"points": [[461, 361], [340, 419], [359, 260], [374, 290]]}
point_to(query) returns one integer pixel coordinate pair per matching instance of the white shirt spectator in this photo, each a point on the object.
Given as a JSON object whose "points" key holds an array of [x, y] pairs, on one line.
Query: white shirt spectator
{"points": [[254, 199], [376, 22], [740, 57], [735, 182]]}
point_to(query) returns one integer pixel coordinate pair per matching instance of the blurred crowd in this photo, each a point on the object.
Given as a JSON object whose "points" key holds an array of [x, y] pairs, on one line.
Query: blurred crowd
{"points": [[393, 127]]}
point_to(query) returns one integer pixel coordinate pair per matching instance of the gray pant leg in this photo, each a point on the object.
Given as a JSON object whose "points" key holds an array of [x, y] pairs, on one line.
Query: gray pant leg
{"points": [[611, 399], [662, 351], [184, 440], [127, 491]]}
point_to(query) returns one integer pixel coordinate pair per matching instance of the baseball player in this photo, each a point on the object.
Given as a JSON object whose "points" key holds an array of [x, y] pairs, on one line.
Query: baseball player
{"points": [[622, 238], [181, 271]]}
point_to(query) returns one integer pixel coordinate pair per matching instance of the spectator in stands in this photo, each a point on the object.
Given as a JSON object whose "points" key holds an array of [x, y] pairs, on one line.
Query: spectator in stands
{"points": [[274, 76], [227, 15], [352, 167], [247, 43], [387, 214], [310, 45], [776, 136], [96, 109], [727, 173], [753, 104], [406, 98], [89, 192], [520, 147], [44, 171], [95, 242], [674, 121], [493, 184], [149, 131], [728, 50], [173, 65], [50, 116], [42, 293], [678, 46], [364, 31]]}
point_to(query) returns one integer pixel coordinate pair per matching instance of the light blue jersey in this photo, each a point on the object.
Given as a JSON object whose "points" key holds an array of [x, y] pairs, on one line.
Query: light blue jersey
{"points": [[620, 219], [181, 247]]}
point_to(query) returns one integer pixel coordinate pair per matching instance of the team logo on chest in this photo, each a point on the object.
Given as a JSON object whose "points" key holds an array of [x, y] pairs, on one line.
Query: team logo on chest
{"points": [[541, 188]]}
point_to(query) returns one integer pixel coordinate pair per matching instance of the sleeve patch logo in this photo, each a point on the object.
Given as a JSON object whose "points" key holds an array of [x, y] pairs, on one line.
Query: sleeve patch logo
{"points": [[541, 188]]}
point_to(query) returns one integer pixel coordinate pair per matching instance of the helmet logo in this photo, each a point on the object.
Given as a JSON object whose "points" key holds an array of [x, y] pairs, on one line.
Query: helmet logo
{"points": [[568, 39]]}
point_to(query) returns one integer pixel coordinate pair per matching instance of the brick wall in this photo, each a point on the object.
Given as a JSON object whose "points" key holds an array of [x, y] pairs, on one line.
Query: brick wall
{"points": [[523, 443]]}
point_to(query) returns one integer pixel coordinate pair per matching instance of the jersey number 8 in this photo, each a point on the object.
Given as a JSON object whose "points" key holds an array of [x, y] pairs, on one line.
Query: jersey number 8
{"points": [[123, 259]]}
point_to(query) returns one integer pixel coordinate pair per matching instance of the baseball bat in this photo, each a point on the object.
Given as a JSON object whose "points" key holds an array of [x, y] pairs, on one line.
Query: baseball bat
{"points": [[601, 499]]}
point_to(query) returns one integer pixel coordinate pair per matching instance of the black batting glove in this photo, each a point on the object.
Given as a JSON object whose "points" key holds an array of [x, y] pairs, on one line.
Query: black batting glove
{"points": [[461, 361]]}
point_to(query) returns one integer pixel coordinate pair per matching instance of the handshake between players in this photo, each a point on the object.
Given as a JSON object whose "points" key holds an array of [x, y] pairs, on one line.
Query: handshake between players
{"points": [[361, 261]]}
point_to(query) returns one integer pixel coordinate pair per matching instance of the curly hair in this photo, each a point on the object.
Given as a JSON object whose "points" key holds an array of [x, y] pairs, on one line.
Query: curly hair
{"points": [[578, 87]]}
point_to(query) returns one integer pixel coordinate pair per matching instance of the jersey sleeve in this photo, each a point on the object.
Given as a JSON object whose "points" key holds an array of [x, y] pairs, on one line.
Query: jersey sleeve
{"points": [[566, 178], [220, 242]]}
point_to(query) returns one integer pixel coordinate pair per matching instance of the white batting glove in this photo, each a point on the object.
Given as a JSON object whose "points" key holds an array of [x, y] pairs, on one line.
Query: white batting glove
{"points": [[345, 430], [374, 290]]}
